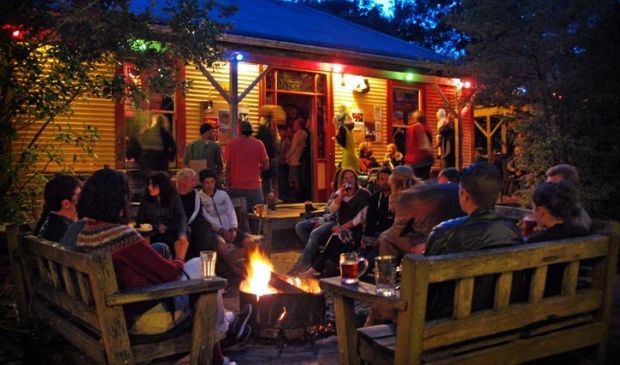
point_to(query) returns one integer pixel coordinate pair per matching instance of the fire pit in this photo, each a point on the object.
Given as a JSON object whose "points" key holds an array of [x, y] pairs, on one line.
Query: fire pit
{"points": [[282, 304]]}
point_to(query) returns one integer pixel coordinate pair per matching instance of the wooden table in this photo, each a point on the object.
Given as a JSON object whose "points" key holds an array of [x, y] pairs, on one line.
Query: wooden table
{"points": [[284, 217]]}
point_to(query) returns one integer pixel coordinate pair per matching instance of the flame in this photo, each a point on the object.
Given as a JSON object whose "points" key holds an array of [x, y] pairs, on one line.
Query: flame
{"points": [[283, 314], [259, 274], [308, 285]]}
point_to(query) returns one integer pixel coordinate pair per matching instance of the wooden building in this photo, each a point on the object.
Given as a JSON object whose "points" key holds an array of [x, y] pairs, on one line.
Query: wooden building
{"points": [[288, 54]]}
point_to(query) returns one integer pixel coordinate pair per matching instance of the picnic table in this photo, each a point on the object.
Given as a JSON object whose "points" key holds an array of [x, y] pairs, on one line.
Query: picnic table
{"points": [[284, 217]]}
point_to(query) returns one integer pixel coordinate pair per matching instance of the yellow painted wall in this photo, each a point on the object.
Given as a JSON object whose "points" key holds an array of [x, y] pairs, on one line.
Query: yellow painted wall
{"points": [[202, 90], [96, 112]]}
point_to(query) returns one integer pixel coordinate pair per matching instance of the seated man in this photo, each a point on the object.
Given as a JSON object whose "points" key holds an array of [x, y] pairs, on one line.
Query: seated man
{"points": [[378, 215], [557, 173], [421, 208], [480, 229], [232, 244], [449, 175], [61, 196], [199, 228]]}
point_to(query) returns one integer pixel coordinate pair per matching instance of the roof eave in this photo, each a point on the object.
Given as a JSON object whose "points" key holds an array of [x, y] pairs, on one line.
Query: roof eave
{"points": [[329, 54]]}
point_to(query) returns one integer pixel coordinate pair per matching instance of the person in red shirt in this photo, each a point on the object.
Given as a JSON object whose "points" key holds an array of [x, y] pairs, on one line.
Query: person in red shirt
{"points": [[419, 146], [246, 157]]}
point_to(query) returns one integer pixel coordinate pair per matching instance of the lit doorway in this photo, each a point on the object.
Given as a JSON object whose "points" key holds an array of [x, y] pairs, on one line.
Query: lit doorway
{"points": [[305, 94]]}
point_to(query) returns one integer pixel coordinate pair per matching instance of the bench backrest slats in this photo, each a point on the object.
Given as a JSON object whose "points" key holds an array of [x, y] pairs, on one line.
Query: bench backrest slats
{"points": [[537, 285], [67, 277], [482, 262], [84, 287], [503, 288], [446, 332], [463, 293], [506, 314], [63, 276], [571, 278], [71, 305]]}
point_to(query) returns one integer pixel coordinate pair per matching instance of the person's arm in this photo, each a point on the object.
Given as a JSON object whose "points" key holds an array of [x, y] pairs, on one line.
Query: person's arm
{"points": [[230, 211], [341, 137], [296, 144], [151, 264], [206, 200], [188, 154], [263, 158], [402, 217], [178, 216], [219, 163], [142, 217], [264, 165], [335, 204]]}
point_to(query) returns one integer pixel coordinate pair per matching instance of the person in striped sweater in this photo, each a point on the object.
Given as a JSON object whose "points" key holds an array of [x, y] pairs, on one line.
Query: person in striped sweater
{"points": [[104, 207]]}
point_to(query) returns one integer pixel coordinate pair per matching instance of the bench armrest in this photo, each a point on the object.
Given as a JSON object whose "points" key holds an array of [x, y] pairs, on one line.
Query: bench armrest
{"points": [[363, 291], [166, 290]]}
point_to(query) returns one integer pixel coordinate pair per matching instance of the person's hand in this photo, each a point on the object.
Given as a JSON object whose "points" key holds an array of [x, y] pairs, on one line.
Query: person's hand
{"points": [[180, 248], [225, 235], [337, 229], [233, 234], [162, 229]]}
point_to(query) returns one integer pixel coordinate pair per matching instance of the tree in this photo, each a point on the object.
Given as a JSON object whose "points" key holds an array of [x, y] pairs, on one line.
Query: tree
{"points": [[554, 63], [53, 52], [421, 21]]}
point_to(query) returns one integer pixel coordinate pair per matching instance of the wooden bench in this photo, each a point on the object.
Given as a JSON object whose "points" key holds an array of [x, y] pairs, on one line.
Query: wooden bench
{"points": [[77, 295], [509, 332]]}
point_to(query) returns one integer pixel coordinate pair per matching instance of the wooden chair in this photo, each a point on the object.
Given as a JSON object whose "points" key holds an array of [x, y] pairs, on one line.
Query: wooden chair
{"points": [[507, 333], [77, 295]]}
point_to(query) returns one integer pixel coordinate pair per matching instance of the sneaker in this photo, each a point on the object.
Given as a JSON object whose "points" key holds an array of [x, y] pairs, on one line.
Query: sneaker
{"points": [[231, 341], [237, 326]]}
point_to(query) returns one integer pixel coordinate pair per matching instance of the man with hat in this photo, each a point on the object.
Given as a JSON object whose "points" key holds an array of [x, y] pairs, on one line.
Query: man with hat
{"points": [[205, 152], [246, 157]]}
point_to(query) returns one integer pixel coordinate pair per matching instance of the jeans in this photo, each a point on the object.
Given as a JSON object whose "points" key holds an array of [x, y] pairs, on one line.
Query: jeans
{"points": [[312, 239]]}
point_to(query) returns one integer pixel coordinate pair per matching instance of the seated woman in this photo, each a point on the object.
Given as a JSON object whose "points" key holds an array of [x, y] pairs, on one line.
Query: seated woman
{"points": [[346, 235], [104, 207], [161, 206], [366, 159], [555, 208], [314, 232]]}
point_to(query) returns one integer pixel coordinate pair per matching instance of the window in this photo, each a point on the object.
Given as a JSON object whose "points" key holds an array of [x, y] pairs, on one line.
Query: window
{"points": [[138, 117]]}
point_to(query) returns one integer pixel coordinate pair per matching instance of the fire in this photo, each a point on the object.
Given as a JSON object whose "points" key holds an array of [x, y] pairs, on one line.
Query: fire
{"points": [[259, 274], [283, 314], [308, 285]]}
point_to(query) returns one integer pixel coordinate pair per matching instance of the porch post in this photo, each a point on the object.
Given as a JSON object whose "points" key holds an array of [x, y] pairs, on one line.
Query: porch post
{"points": [[234, 95]]}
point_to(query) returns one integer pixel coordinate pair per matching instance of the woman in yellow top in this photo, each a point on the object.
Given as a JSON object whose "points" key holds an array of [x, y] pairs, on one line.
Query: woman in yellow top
{"points": [[345, 124]]}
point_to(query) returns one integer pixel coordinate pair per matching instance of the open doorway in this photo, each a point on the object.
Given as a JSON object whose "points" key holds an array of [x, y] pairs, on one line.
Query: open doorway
{"points": [[303, 96]]}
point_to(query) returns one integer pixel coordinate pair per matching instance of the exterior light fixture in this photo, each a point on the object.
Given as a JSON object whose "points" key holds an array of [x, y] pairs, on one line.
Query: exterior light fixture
{"points": [[409, 76], [238, 56]]}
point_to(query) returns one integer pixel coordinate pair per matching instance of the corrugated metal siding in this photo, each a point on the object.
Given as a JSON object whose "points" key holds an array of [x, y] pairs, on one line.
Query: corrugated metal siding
{"points": [[377, 96], [96, 112], [202, 90]]}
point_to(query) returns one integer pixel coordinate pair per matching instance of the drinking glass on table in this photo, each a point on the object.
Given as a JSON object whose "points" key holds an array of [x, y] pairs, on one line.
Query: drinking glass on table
{"points": [[207, 264], [349, 267], [385, 275]]}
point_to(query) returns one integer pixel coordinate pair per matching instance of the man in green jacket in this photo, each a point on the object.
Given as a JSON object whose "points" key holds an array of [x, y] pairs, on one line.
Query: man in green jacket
{"points": [[205, 152]]}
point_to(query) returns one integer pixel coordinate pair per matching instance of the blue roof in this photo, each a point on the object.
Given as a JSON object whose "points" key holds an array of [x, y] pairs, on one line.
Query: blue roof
{"points": [[295, 23], [284, 21]]}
